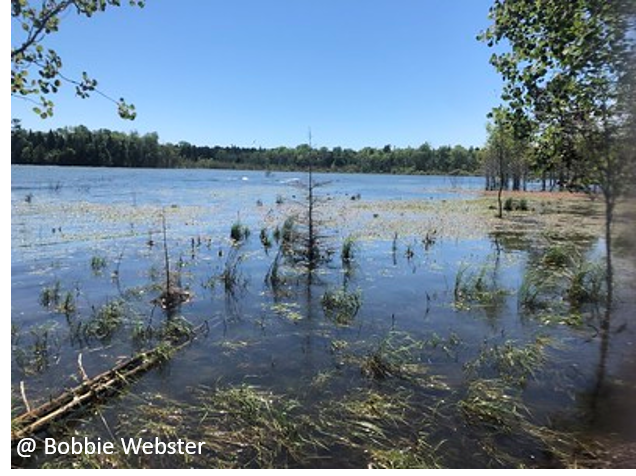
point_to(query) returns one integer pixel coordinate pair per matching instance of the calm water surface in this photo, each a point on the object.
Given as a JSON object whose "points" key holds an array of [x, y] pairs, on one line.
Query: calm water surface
{"points": [[65, 220]]}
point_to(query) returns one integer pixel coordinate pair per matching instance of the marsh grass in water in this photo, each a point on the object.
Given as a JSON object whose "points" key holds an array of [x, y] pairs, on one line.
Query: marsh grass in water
{"points": [[51, 295], [105, 321], [239, 232], [348, 252], [562, 282], [231, 276], [477, 288], [491, 403], [36, 352], [406, 454], [266, 241], [509, 362], [98, 264], [249, 427], [341, 306], [397, 355]]}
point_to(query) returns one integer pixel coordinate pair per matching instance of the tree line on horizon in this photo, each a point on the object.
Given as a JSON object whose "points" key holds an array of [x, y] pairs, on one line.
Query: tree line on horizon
{"points": [[80, 146]]}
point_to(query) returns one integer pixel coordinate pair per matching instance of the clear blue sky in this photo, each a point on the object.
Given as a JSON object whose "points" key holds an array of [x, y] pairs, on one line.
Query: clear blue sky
{"points": [[261, 72]]}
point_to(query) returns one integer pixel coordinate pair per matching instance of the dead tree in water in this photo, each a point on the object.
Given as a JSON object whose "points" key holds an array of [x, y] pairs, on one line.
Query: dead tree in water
{"points": [[173, 295], [308, 248]]}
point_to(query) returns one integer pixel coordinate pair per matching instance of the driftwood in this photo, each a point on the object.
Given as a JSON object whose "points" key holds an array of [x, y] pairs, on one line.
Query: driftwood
{"points": [[90, 391]]}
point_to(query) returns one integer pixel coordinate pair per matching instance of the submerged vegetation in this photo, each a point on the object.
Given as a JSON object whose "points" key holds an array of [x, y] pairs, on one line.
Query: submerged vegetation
{"points": [[341, 306], [345, 369], [480, 287]]}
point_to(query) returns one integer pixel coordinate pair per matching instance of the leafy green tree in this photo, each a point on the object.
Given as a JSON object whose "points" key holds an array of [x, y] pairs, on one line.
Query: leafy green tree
{"points": [[567, 67], [31, 25], [503, 151]]}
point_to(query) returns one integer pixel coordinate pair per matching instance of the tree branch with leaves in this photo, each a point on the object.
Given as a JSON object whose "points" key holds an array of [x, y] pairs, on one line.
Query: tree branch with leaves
{"points": [[36, 71], [568, 79]]}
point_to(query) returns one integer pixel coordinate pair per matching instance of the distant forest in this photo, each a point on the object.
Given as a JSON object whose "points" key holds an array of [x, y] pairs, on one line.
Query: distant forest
{"points": [[105, 148]]}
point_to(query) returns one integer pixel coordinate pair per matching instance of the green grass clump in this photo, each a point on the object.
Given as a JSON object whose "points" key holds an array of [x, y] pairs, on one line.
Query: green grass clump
{"points": [[50, 295], [490, 403], [510, 362], [341, 306], [98, 263], [479, 288], [239, 232], [105, 321], [348, 251], [266, 241]]}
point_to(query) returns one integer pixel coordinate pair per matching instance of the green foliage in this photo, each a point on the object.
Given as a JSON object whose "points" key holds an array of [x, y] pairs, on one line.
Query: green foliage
{"points": [[394, 356], [98, 263], [560, 283], [231, 276], [479, 288], [490, 403], [67, 306], [510, 362], [569, 83], [348, 251], [508, 204], [103, 147], [266, 241], [50, 296], [105, 320], [31, 25], [341, 306], [80, 146], [239, 232], [42, 349]]}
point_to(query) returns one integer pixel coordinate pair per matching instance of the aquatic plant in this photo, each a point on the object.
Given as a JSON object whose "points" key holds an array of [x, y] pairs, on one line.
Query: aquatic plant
{"points": [[510, 361], [560, 256], [477, 288], [586, 283], [274, 277], [98, 263], [50, 295], [67, 306], [348, 252], [231, 276], [42, 350], [394, 356], [429, 239], [105, 321], [250, 427], [289, 235], [239, 232], [341, 306], [490, 403], [406, 454], [265, 239]]}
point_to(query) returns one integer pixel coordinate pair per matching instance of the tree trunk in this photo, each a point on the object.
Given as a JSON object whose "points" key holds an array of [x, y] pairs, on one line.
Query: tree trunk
{"points": [[609, 270], [500, 198]]}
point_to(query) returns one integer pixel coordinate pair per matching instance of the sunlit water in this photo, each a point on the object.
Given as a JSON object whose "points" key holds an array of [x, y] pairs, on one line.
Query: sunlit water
{"points": [[65, 218]]}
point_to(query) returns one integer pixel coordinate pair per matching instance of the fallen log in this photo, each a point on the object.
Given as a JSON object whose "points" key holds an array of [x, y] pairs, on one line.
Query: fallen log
{"points": [[90, 391]]}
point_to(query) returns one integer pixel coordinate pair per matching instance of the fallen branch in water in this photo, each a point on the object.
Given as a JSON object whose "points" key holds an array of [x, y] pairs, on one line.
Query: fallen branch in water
{"points": [[92, 390]]}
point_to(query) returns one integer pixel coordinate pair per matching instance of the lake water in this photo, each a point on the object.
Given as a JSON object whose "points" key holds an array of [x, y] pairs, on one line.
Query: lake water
{"points": [[94, 237]]}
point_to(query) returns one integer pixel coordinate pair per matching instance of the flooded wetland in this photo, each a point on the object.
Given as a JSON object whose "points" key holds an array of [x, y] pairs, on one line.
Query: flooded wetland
{"points": [[351, 321]]}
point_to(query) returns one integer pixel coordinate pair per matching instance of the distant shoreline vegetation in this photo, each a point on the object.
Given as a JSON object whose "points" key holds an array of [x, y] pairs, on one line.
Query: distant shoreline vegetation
{"points": [[80, 146]]}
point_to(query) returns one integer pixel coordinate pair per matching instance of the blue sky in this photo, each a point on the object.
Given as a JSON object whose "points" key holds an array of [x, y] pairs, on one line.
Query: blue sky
{"points": [[261, 72]]}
